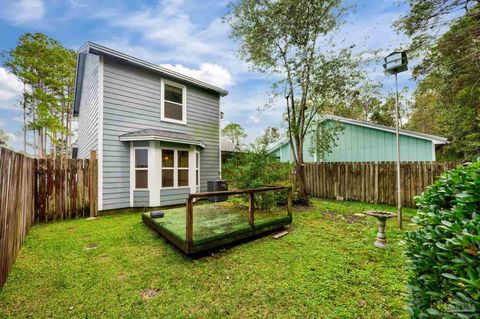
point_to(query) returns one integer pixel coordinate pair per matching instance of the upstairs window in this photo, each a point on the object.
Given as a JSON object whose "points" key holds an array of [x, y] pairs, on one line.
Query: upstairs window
{"points": [[173, 102]]}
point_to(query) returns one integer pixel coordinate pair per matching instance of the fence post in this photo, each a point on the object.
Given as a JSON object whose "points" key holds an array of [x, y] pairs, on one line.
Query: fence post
{"points": [[289, 201], [93, 185], [251, 209], [189, 222]]}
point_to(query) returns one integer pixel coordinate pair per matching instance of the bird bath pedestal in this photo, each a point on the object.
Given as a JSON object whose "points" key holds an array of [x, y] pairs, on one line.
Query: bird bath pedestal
{"points": [[382, 218]]}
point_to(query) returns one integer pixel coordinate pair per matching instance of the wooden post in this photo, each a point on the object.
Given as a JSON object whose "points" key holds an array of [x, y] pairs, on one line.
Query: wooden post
{"points": [[189, 222], [251, 209], [289, 201], [93, 185]]}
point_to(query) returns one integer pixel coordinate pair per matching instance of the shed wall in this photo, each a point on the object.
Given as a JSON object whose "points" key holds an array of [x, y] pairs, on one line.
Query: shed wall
{"points": [[362, 144]]}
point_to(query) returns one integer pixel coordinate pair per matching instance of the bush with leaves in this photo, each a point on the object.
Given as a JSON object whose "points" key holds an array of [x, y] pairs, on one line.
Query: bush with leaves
{"points": [[444, 251], [257, 168]]}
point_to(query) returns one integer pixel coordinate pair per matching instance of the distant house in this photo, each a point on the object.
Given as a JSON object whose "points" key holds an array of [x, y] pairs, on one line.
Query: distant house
{"points": [[361, 141], [227, 148], [156, 131]]}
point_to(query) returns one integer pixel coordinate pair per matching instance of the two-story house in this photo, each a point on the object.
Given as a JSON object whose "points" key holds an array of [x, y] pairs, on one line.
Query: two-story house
{"points": [[155, 131]]}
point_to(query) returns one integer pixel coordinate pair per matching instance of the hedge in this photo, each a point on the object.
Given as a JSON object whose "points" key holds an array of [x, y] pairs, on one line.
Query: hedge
{"points": [[444, 251]]}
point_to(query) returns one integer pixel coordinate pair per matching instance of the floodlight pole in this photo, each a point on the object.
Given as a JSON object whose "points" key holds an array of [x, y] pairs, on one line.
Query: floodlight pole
{"points": [[397, 121]]}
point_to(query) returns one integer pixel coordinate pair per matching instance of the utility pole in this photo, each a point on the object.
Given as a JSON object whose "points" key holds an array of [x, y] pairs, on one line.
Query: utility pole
{"points": [[395, 63], [397, 126]]}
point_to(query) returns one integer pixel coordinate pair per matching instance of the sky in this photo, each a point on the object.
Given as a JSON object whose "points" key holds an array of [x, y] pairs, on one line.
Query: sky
{"points": [[187, 36]]}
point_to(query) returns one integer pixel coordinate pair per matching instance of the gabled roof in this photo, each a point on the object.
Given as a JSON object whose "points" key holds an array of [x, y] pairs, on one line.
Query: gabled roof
{"points": [[95, 48], [228, 146], [433, 138], [161, 135]]}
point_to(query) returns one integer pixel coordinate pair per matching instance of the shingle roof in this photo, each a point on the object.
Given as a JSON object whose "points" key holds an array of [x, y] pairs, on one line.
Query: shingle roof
{"points": [[160, 135], [226, 145]]}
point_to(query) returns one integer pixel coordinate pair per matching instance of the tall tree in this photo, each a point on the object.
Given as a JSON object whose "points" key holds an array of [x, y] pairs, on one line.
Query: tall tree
{"points": [[269, 136], [427, 20], [290, 38], [234, 133], [47, 70], [447, 99]]}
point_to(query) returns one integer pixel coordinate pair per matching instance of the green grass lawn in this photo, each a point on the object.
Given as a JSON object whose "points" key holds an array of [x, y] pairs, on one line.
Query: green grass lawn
{"points": [[115, 267]]}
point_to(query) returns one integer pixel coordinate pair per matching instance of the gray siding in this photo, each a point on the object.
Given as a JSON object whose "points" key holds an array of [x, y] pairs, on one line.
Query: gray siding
{"points": [[89, 107], [132, 102], [141, 198], [173, 196]]}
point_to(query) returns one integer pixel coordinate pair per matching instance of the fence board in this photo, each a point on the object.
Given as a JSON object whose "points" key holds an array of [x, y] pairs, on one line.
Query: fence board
{"points": [[37, 190], [372, 182]]}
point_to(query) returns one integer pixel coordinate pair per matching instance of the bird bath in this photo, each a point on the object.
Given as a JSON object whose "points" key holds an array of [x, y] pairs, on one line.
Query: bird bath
{"points": [[382, 218]]}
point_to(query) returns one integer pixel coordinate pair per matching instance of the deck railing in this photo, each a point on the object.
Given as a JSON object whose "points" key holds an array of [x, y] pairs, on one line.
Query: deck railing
{"points": [[251, 207]]}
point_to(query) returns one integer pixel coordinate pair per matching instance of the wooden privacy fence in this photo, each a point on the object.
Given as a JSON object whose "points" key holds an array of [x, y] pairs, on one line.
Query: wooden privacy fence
{"points": [[372, 182], [17, 189], [65, 188], [35, 190]]}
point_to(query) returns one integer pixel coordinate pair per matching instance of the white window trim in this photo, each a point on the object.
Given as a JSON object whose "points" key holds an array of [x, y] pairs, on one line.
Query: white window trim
{"points": [[184, 102], [134, 186], [175, 168], [197, 169]]}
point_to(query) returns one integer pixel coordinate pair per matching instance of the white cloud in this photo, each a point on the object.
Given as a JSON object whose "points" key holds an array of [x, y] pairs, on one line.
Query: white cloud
{"points": [[210, 73], [12, 137], [168, 24], [22, 11], [10, 86], [254, 118]]}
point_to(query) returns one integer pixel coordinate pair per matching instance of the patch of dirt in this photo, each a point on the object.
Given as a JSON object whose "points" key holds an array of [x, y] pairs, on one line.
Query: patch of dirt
{"points": [[348, 218], [72, 228], [301, 208], [149, 293], [121, 276], [104, 258]]}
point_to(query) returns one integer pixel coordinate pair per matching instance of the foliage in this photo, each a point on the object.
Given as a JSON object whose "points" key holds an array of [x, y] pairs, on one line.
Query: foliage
{"points": [[445, 249], [367, 103], [270, 136], [313, 74], [257, 168], [426, 19], [327, 265], [324, 138], [447, 99], [47, 70], [3, 138], [235, 133]]}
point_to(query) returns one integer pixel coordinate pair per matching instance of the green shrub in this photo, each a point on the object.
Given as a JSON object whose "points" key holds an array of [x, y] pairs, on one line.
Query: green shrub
{"points": [[444, 251], [254, 169]]}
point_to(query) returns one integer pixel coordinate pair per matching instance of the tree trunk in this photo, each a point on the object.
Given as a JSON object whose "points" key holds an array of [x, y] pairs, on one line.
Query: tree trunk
{"points": [[302, 184]]}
